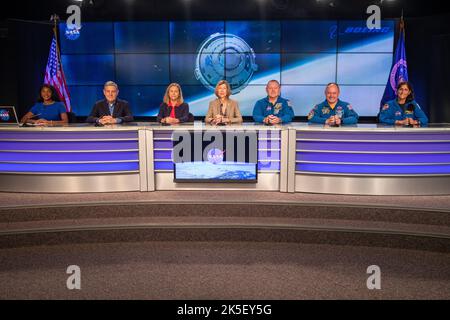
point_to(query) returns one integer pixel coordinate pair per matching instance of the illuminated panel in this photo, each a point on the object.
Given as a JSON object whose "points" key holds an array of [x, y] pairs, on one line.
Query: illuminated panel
{"points": [[64, 168], [67, 145], [360, 169], [61, 135], [69, 152], [386, 147], [73, 157], [411, 153], [268, 151]]}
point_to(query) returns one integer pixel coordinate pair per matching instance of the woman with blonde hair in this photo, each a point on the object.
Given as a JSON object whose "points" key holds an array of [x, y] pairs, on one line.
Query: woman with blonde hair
{"points": [[173, 109], [223, 110]]}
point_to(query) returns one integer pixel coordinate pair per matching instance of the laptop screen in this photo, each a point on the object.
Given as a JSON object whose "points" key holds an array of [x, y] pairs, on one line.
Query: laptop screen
{"points": [[8, 116]]}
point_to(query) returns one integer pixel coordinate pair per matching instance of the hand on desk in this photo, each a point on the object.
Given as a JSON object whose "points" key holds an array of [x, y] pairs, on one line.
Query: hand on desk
{"points": [[170, 120], [407, 121], [220, 119], [333, 120], [107, 120], [272, 120], [412, 121], [43, 122]]}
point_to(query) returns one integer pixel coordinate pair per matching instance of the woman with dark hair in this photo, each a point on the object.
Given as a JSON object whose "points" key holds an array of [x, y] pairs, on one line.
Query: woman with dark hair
{"points": [[404, 110], [48, 110]]}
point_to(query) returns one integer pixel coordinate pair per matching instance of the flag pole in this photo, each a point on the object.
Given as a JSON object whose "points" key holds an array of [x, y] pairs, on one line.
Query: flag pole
{"points": [[55, 19], [402, 22]]}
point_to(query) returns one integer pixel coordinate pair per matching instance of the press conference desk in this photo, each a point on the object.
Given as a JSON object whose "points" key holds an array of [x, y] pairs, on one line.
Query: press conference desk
{"points": [[362, 159], [370, 160]]}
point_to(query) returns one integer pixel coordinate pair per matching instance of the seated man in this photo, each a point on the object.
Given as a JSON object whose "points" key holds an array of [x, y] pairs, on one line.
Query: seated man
{"points": [[110, 110], [273, 109], [333, 111]]}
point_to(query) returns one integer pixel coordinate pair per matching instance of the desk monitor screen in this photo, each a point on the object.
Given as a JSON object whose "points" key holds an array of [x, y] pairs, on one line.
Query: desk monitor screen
{"points": [[215, 156], [8, 116]]}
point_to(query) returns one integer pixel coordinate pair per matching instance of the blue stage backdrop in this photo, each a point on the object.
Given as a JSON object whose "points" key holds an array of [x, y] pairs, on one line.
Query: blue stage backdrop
{"points": [[144, 57]]}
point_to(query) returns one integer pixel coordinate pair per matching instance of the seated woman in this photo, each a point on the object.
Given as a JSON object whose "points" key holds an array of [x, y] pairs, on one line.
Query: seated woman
{"points": [[404, 110], [223, 110], [173, 109], [48, 110]]}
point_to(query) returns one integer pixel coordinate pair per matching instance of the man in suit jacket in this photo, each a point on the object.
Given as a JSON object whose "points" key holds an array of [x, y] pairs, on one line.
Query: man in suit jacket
{"points": [[111, 110]]}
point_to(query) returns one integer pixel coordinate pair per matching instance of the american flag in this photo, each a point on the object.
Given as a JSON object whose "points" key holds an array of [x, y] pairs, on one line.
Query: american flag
{"points": [[54, 75]]}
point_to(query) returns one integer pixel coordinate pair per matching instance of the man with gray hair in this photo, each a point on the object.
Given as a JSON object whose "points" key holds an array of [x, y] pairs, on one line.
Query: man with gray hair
{"points": [[110, 110]]}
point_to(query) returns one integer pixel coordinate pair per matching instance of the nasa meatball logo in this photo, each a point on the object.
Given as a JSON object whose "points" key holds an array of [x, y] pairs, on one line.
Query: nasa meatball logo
{"points": [[4, 115], [225, 54], [72, 32], [215, 156], [397, 73]]}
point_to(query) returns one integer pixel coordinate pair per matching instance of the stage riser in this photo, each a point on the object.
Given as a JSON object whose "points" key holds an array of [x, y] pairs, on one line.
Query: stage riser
{"points": [[228, 235], [217, 209]]}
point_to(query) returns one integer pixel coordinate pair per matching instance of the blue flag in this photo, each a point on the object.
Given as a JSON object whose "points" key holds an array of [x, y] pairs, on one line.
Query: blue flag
{"points": [[399, 70]]}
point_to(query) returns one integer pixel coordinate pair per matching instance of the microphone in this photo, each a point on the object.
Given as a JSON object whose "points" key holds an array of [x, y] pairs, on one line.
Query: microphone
{"points": [[411, 107], [339, 115], [223, 114]]}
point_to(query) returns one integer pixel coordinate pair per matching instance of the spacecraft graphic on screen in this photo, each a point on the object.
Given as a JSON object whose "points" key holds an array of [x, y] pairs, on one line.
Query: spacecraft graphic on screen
{"points": [[225, 56]]}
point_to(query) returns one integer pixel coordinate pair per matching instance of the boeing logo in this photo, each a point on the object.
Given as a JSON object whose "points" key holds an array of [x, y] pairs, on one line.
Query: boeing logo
{"points": [[356, 30]]}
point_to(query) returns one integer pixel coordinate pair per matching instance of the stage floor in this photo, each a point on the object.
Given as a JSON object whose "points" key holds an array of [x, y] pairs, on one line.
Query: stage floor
{"points": [[223, 245], [221, 270], [30, 199]]}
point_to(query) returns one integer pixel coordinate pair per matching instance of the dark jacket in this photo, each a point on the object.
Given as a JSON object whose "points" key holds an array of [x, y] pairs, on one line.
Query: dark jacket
{"points": [[122, 111], [181, 112]]}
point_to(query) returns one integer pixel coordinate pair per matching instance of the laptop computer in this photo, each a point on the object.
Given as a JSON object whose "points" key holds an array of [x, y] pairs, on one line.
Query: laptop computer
{"points": [[8, 116]]}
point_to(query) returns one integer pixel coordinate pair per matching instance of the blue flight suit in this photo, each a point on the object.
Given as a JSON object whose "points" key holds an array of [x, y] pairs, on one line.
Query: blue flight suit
{"points": [[322, 112], [281, 109], [393, 111]]}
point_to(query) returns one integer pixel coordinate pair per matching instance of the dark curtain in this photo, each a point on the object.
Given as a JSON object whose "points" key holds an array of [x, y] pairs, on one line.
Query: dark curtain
{"points": [[428, 49], [440, 80], [29, 46], [8, 76]]}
